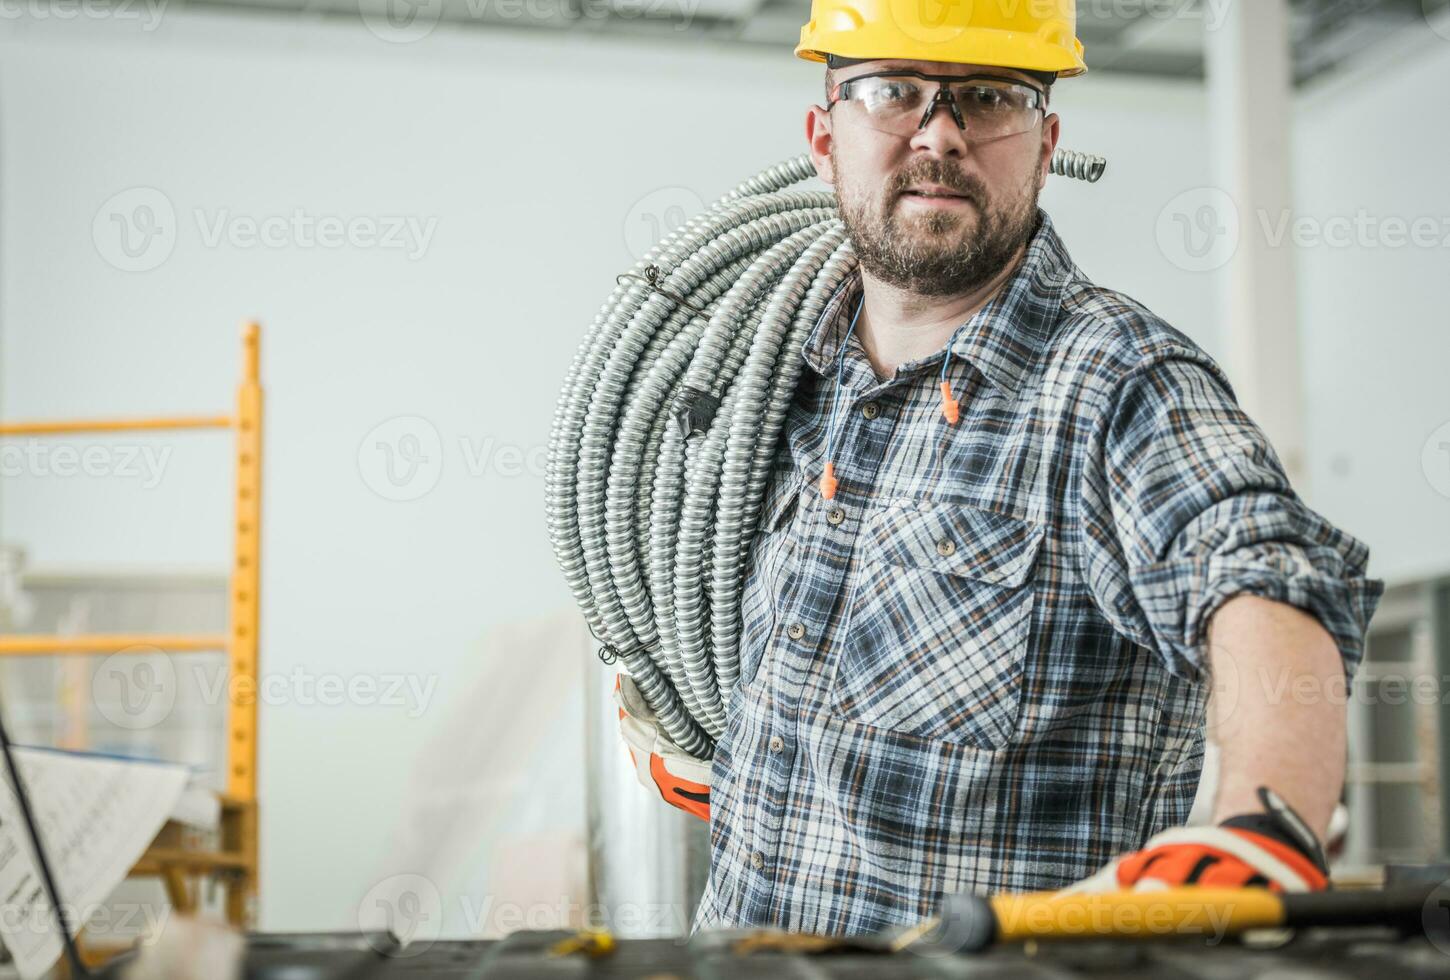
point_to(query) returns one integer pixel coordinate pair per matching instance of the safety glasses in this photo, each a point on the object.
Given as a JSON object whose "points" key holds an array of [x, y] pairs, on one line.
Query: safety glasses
{"points": [[985, 107]]}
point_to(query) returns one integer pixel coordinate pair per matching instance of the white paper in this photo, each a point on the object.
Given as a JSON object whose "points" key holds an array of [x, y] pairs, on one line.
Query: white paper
{"points": [[96, 816]]}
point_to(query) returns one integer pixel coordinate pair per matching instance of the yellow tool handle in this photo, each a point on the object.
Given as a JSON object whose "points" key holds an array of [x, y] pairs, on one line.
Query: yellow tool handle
{"points": [[969, 922], [1135, 915]]}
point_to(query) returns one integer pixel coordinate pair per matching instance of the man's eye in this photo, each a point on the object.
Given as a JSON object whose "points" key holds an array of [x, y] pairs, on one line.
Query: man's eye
{"points": [[983, 96], [891, 92]]}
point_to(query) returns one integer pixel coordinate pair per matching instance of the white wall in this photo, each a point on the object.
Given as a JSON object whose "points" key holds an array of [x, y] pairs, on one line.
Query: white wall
{"points": [[1372, 146], [543, 159]]}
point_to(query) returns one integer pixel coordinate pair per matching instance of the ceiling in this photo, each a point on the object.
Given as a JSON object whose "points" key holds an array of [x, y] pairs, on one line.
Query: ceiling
{"points": [[1161, 38]]}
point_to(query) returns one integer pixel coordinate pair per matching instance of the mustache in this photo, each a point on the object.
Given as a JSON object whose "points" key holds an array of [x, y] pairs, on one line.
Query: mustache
{"points": [[936, 172]]}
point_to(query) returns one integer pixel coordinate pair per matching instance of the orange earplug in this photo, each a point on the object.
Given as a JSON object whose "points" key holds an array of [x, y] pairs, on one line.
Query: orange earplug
{"points": [[828, 482], [950, 407]]}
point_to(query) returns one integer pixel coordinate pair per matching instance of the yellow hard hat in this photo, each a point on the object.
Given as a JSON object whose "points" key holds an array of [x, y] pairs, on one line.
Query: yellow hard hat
{"points": [[1032, 35]]}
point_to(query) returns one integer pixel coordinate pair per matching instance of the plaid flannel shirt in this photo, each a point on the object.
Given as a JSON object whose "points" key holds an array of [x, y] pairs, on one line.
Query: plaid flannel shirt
{"points": [[981, 666]]}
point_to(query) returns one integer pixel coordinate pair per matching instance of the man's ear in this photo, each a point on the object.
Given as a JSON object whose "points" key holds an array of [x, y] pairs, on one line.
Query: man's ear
{"points": [[1051, 132], [818, 138]]}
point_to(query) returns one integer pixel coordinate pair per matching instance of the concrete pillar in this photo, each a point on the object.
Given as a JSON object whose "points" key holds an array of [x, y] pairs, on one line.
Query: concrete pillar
{"points": [[1250, 94]]}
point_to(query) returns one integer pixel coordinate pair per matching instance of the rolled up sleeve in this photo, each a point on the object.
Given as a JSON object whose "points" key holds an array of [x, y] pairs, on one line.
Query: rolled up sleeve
{"points": [[1185, 505]]}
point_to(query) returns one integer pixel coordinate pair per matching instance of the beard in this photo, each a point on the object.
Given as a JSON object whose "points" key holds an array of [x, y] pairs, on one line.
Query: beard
{"points": [[938, 253]]}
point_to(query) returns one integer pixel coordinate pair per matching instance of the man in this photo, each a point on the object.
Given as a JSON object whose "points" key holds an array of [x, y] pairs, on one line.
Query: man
{"points": [[1019, 526]]}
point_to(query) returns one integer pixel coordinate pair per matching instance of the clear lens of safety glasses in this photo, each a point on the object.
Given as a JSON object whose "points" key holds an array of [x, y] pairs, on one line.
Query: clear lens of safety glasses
{"points": [[985, 107]]}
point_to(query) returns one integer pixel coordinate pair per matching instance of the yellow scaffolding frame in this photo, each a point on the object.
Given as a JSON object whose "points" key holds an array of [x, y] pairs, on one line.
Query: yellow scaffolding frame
{"points": [[236, 862]]}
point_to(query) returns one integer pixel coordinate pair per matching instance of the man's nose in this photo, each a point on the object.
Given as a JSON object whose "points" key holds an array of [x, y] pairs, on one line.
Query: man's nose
{"points": [[941, 134]]}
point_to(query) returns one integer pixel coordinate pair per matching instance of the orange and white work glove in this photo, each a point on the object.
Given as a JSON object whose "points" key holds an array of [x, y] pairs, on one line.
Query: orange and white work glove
{"points": [[681, 780], [1274, 849]]}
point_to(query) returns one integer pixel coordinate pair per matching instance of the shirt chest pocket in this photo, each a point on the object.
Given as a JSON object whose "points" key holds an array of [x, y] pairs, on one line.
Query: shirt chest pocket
{"points": [[939, 623]]}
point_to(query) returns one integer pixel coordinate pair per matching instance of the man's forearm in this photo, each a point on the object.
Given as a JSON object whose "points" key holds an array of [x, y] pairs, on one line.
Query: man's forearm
{"points": [[1278, 709]]}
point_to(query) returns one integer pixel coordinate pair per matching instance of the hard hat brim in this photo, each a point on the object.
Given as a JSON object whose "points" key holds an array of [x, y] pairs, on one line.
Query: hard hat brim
{"points": [[1001, 49]]}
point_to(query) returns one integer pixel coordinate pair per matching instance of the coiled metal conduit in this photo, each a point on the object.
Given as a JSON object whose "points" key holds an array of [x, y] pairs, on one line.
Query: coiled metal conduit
{"points": [[666, 429]]}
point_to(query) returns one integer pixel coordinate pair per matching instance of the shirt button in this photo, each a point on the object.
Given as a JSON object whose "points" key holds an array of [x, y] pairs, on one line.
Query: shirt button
{"points": [[835, 515], [946, 548], [871, 409], [777, 744], [757, 860], [795, 631]]}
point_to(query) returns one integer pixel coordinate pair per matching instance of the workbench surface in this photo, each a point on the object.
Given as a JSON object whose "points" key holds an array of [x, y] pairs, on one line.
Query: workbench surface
{"points": [[1311, 955]]}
